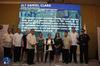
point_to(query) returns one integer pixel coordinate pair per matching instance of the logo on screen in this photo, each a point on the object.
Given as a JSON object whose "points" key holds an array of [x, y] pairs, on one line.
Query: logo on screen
{"points": [[6, 60]]}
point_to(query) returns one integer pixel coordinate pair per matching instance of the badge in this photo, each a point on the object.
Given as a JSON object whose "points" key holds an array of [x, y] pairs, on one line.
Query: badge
{"points": [[6, 60]]}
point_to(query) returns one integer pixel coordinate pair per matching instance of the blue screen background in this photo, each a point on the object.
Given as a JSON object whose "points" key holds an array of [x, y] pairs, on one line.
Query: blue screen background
{"points": [[47, 19]]}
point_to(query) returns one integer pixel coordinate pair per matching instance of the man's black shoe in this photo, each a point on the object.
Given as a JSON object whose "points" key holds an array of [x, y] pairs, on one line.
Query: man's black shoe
{"points": [[75, 61], [66, 62], [86, 62], [33, 63]]}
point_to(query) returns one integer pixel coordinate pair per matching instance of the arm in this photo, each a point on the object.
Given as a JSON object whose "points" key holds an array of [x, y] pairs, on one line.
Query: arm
{"points": [[77, 36], [23, 41], [69, 42], [43, 41], [35, 40], [69, 45], [54, 44], [60, 43], [53, 41], [78, 40], [14, 40]]}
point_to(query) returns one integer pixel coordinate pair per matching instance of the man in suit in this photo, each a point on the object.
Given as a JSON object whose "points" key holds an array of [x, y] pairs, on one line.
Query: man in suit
{"points": [[83, 42]]}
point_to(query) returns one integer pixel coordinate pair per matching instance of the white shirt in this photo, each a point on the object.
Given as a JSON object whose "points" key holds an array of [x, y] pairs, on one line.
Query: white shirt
{"points": [[17, 39], [66, 42], [74, 37], [49, 42], [7, 40], [31, 39]]}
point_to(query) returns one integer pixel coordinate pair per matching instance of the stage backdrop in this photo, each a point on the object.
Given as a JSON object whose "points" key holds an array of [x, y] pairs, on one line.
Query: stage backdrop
{"points": [[49, 18], [3, 29]]}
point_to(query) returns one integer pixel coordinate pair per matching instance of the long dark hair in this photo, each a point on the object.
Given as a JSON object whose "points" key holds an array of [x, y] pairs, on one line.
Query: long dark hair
{"points": [[56, 35]]}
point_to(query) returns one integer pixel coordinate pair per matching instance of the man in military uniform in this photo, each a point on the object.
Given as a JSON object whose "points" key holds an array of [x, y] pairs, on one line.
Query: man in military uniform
{"points": [[84, 39]]}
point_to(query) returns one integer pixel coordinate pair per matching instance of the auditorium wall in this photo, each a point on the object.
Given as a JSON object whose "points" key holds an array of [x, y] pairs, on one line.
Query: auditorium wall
{"points": [[9, 14]]}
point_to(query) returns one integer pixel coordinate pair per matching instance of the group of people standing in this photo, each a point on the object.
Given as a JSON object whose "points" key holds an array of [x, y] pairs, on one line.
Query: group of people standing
{"points": [[54, 47]]}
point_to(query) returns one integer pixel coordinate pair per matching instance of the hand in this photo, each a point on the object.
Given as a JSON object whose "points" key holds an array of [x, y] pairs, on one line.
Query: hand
{"points": [[44, 44], [55, 47], [22, 45], [33, 44], [69, 48], [13, 46], [62, 47], [41, 47], [48, 44], [36, 44]]}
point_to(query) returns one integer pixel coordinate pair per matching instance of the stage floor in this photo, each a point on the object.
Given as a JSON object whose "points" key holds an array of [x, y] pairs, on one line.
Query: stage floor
{"points": [[91, 63]]}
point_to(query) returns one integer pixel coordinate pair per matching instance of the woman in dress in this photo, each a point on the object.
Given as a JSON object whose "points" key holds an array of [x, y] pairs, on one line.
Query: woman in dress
{"points": [[40, 47], [57, 47]]}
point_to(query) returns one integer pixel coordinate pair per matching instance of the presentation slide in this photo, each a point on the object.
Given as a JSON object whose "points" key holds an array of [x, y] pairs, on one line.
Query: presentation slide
{"points": [[49, 18]]}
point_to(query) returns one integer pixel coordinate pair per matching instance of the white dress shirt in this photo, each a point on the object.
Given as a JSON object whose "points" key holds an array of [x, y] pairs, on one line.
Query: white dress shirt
{"points": [[7, 40], [31, 39], [66, 42], [74, 37], [17, 40]]}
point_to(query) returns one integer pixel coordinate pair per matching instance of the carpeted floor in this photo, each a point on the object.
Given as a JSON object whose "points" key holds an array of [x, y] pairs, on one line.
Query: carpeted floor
{"points": [[91, 63]]}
